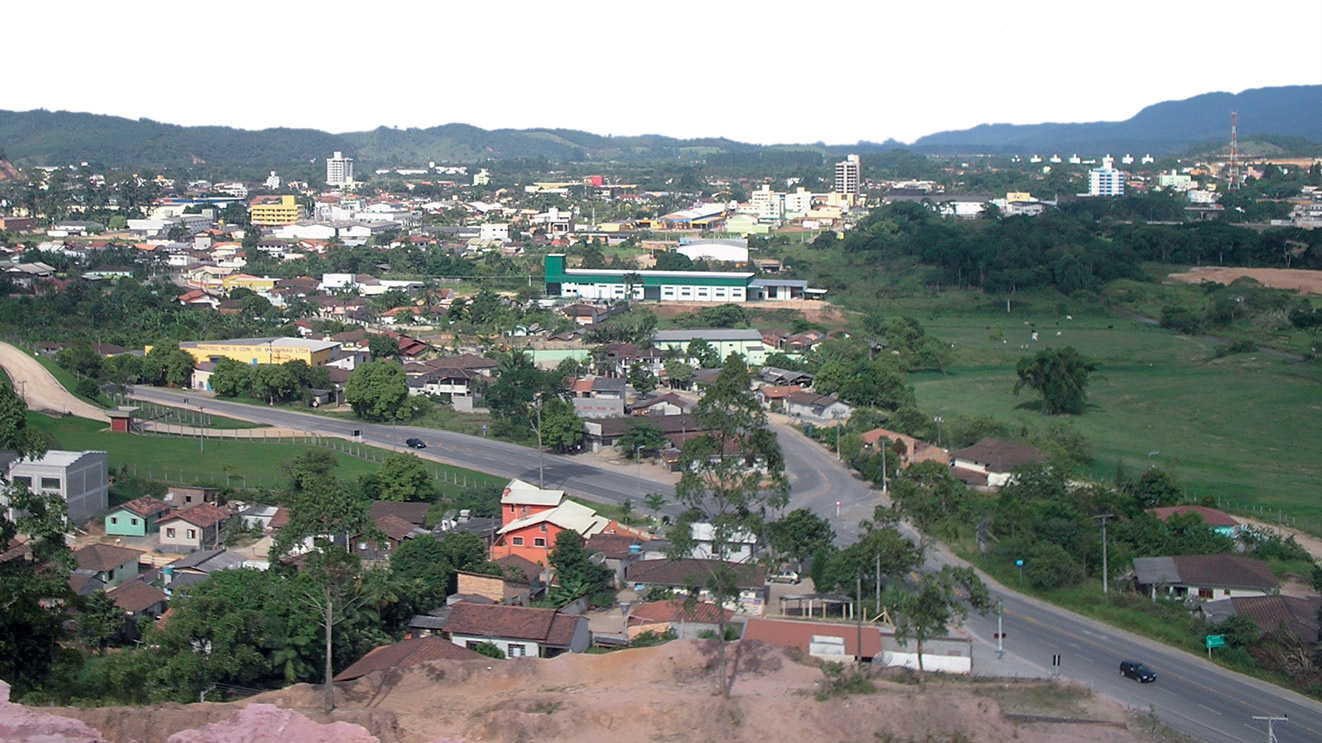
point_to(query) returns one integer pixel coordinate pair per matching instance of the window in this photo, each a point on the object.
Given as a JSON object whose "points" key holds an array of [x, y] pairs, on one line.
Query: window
{"points": [[192, 533], [539, 542], [516, 650], [114, 519], [24, 481], [50, 483], [132, 522], [518, 541], [543, 526], [169, 532]]}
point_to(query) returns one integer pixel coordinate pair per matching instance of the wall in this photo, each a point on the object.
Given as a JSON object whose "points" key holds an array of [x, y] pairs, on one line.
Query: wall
{"points": [[530, 648]]}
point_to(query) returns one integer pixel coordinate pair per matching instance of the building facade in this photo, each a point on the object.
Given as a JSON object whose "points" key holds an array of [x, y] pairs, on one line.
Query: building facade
{"points": [[656, 286], [339, 169], [269, 210], [1106, 180], [263, 350], [849, 176], [81, 478]]}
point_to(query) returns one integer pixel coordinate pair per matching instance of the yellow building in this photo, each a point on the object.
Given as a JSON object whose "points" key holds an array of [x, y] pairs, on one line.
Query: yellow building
{"points": [[275, 210], [1013, 196], [262, 350], [248, 281]]}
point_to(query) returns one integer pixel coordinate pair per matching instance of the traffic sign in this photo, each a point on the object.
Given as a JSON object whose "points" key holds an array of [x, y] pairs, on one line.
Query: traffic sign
{"points": [[1216, 641]]}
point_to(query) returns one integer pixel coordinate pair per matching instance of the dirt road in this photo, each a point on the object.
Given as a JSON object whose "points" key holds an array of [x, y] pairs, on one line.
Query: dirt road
{"points": [[40, 389]]}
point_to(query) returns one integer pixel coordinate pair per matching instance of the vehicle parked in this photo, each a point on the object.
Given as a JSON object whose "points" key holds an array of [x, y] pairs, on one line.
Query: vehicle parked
{"points": [[786, 576], [1137, 671], [415, 443]]}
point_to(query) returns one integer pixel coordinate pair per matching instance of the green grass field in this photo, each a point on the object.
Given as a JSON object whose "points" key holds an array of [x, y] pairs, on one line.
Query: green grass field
{"points": [[244, 463], [1240, 428]]}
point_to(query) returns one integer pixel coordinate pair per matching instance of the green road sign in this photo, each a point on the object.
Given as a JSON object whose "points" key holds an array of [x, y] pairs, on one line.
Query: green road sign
{"points": [[1216, 641]]}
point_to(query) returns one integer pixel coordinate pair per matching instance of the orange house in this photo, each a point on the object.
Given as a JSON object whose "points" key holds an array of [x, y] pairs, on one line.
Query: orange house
{"points": [[531, 518]]}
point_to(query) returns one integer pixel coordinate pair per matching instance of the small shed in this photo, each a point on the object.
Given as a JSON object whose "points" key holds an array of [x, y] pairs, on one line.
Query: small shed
{"points": [[121, 419]]}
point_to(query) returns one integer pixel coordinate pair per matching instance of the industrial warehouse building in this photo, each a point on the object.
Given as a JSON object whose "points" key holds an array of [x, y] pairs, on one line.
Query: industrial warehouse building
{"points": [[656, 286], [262, 350]]}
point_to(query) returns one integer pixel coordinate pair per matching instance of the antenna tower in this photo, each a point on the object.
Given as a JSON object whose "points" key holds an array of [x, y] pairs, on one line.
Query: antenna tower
{"points": [[1234, 151]]}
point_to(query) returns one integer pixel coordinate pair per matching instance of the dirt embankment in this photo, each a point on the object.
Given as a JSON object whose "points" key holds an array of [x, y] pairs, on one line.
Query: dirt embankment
{"points": [[40, 388], [1294, 279], [664, 693]]}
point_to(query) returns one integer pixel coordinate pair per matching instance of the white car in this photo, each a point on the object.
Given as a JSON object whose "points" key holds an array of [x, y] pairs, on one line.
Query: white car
{"points": [[786, 576]]}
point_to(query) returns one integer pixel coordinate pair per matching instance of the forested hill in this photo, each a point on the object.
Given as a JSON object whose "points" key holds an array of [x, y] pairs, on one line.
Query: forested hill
{"points": [[1162, 128]]}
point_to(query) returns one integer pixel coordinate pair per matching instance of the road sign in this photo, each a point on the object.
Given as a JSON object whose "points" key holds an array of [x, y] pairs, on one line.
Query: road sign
{"points": [[1019, 563], [1216, 641]]}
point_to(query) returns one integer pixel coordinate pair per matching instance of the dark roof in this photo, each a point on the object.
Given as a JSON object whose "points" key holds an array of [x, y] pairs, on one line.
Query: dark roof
{"points": [[394, 527], [462, 361], [414, 513], [407, 653], [811, 399], [611, 427], [1217, 571], [1274, 614], [146, 506], [999, 456], [103, 557], [611, 546], [1211, 516], [137, 596], [531, 570], [668, 397], [544, 626], [678, 572]]}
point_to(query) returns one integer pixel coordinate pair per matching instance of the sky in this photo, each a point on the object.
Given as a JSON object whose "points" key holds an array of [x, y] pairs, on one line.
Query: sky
{"points": [[768, 72]]}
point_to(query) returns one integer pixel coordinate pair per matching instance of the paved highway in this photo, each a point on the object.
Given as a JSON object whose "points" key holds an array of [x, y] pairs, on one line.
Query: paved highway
{"points": [[1190, 694]]}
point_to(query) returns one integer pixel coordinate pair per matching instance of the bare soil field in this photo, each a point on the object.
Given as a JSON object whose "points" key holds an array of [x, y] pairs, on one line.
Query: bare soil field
{"points": [[1294, 279], [664, 693]]}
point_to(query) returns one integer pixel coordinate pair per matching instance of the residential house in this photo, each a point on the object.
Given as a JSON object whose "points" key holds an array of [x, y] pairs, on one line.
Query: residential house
{"points": [[202, 564], [747, 343], [194, 528], [413, 513], [532, 536], [839, 642], [678, 575], [739, 546], [444, 381], [109, 564], [674, 615], [617, 359], [518, 631], [773, 396], [267, 519], [137, 518], [182, 496], [394, 530], [991, 462], [777, 376], [80, 478], [497, 589], [1204, 577], [1219, 522], [410, 652], [819, 407], [914, 449], [666, 403], [599, 397], [1290, 618], [606, 432], [138, 598]]}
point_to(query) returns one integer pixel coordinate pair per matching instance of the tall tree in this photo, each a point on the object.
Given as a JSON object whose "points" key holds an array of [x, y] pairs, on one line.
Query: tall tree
{"points": [[378, 391], [927, 609], [402, 477], [733, 475], [1060, 376]]}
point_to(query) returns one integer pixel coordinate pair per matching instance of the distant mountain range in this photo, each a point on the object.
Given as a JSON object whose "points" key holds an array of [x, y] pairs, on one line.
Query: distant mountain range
{"points": [[1163, 128], [60, 137]]}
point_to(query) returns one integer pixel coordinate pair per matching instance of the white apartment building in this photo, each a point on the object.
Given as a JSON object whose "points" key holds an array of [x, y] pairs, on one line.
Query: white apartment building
{"points": [[81, 478], [339, 169], [1106, 180], [849, 176]]}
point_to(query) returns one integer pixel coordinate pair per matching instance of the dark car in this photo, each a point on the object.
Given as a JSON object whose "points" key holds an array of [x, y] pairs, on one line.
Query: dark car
{"points": [[1137, 671], [415, 444]]}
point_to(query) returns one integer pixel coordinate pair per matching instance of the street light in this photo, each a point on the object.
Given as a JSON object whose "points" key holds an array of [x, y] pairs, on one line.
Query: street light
{"points": [[937, 421], [541, 468]]}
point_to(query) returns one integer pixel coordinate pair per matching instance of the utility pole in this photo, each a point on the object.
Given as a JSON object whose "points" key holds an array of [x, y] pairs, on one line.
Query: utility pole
{"points": [[1105, 576], [541, 469], [1270, 719], [202, 435], [883, 470], [859, 577], [1000, 630]]}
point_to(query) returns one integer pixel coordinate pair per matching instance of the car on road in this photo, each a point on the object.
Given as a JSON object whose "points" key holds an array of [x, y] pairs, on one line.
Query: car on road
{"points": [[1137, 671], [415, 443], [786, 576]]}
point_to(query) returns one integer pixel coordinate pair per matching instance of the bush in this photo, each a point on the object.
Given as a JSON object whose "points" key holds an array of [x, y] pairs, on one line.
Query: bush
{"points": [[651, 639], [491, 650], [842, 680], [87, 388]]}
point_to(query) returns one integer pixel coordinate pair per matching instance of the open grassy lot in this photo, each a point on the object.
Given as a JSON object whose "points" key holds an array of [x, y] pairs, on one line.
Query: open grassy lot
{"points": [[250, 464], [1241, 427]]}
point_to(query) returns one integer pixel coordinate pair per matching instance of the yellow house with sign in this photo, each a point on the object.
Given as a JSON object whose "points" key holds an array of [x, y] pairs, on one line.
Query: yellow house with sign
{"points": [[262, 350]]}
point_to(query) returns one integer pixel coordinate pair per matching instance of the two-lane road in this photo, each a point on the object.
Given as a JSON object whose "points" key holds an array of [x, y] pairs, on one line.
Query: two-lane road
{"points": [[1190, 694]]}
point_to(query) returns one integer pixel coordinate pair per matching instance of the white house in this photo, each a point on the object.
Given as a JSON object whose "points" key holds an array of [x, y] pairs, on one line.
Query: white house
{"points": [[518, 631], [740, 546]]}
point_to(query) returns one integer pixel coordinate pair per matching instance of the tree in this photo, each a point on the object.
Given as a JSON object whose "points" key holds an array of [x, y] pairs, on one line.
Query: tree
{"points": [[678, 373], [641, 435], [169, 365], [383, 347], [99, 621], [732, 474], [402, 477], [702, 352], [575, 572], [273, 383], [1060, 376], [930, 497], [800, 534], [562, 427], [671, 260], [518, 383], [231, 378], [642, 379], [81, 359], [928, 608], [377, 390]]}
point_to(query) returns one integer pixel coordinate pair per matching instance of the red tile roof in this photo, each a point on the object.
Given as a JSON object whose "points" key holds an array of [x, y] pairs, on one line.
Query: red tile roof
{"points": [[675, 611], [1211, 516], [203, 515], [678, 572], [798, 634], [531, 570], [146, 506], [394, 527], [405, 654]]}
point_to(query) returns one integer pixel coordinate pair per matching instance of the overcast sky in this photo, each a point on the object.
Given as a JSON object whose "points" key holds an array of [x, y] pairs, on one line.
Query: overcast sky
{"points": [[764, 72]]}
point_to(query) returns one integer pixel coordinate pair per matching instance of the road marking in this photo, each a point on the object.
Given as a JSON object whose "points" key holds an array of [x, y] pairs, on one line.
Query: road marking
{"points": [[1209, 709], [1316, 735]]}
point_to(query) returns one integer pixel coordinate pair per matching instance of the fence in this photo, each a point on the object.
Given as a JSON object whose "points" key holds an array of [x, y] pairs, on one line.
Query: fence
{"points": [[1269, 515]]}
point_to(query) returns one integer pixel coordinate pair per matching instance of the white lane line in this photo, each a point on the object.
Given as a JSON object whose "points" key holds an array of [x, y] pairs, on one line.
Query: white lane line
{"points": [[1209, 709]]}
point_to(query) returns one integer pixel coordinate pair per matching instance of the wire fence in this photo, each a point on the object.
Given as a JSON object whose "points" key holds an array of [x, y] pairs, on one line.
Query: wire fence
{"points": [[1266, 514]]}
